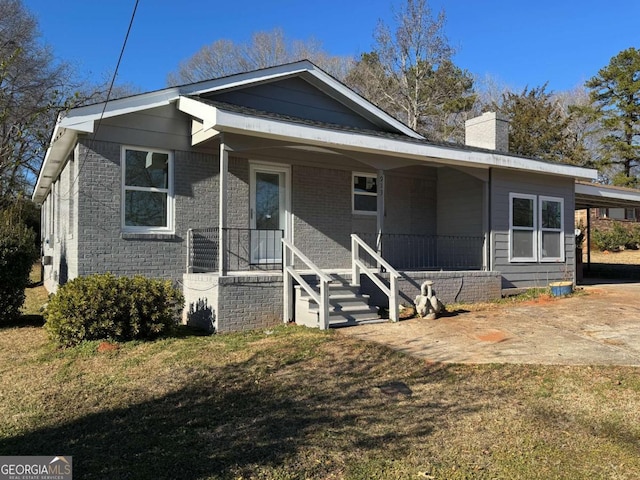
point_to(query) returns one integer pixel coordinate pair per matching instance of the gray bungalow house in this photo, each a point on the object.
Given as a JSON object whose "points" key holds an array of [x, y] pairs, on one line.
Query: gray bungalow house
{"points": [[280, 194]]}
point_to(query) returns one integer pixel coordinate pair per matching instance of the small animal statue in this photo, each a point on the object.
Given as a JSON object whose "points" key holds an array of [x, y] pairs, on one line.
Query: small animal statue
{"points": [[427, 304]]}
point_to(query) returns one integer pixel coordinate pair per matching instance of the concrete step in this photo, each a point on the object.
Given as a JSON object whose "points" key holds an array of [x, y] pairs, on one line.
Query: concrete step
{"points": [[352, 312], [346, 307]]}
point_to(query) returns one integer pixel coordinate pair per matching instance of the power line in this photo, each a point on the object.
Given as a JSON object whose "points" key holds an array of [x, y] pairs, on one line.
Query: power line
{"points": [[104, 108]]}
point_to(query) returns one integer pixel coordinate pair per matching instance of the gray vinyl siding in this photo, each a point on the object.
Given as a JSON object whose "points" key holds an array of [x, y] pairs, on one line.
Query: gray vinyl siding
{"points": [[294, 97], [161, 127], [530, 274]]}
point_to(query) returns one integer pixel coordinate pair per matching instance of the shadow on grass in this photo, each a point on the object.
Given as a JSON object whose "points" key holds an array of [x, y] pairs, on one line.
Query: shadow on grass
{"points": [[251, 415], [23, 321]]}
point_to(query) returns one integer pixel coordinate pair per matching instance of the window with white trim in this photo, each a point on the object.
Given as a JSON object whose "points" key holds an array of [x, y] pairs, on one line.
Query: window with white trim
{"points": [[365, 193], [523, 228], [536, 228], [551, 229], [147, 190]]}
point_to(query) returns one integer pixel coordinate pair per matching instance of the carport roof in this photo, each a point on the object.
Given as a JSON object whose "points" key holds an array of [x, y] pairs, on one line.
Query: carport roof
{"points": [[593, 195]]}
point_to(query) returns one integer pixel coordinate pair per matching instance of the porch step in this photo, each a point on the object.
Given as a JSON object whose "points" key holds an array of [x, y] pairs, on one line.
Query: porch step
{"points": [[347, 306]]}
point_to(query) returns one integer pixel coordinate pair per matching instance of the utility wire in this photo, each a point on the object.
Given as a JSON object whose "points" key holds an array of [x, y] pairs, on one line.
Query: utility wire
{"points": [[104, 108]]}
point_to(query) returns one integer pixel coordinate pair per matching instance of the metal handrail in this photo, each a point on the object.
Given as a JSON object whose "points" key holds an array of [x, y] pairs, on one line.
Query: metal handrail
{"points": [[358, 265], [290, 273]]}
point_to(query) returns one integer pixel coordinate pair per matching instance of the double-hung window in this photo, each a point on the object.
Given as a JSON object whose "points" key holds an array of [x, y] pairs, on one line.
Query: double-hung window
{"points": [[551, 229], [147, 177], [536, 228], [523, 230], [365, 193]]}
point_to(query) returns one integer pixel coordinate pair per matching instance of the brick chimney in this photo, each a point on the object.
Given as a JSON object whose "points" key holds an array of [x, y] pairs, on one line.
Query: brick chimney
{"points": [[490, 130]]}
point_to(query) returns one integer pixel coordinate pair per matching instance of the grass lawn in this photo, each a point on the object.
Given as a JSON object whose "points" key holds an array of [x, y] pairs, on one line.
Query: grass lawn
{"points": [[296, 403]]}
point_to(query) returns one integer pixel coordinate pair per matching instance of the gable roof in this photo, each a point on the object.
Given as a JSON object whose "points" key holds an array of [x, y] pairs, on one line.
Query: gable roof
{"points": [[393, 138], [84, 119]]}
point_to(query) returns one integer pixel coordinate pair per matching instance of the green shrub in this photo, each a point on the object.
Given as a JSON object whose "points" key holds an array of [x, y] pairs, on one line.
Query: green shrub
{"points": [[614, 239], [17, 254], [112, 308]]}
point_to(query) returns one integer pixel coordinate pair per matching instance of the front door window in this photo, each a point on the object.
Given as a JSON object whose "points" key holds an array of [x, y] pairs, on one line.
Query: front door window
{"points": [[268, 214]]}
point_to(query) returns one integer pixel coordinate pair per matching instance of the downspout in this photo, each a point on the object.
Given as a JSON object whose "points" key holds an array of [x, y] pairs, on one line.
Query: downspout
{"points": [[380, 213]]}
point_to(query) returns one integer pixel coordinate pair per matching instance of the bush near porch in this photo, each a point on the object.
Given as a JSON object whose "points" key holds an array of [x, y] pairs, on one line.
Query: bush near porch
{"points": [[103, 306]]}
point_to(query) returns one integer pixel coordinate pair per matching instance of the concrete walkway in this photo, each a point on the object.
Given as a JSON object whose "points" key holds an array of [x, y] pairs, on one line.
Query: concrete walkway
{"points": [[601, 327]]}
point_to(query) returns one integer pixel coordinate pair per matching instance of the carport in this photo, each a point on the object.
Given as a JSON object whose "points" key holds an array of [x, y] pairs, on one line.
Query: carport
{"points": [[593, 195]]}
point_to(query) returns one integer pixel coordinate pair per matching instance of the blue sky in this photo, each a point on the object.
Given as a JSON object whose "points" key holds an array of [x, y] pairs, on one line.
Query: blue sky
{"points": [[519, 43]]}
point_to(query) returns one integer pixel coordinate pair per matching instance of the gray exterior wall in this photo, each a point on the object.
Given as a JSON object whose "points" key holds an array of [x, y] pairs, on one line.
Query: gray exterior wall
{"points": [[60, 230], [323, 219], [449, 287], [232, 304], [529, 274], [249, 302], [297, 98], [410, 201], [103, 247], [460, 205]]}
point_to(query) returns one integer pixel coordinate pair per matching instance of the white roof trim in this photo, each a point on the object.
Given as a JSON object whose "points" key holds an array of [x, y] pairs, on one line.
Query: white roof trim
{"points": [[82, 118], [226, 121]]}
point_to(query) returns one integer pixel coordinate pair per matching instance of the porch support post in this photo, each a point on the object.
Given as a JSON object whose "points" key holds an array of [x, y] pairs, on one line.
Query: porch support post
{"points": [[589, 239], [485, 227], [380, 213], [222, 208]]}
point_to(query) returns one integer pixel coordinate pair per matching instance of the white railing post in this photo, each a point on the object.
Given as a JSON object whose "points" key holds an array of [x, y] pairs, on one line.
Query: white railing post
{"points": [[324, 304], [394, 310], [288, 286], [355, 268], [189, 253], [322, 299], [357, 264]]}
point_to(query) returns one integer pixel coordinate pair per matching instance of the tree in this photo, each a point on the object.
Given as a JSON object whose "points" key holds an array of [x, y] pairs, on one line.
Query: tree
{"points": [[34, 89], [31, 94], [615, 96], [411, 75], [266, 49], [538, 124]]}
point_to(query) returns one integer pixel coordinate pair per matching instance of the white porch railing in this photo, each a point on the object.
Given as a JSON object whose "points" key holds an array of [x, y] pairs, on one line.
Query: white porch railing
{"points": [[289, 273], [357, 265]]}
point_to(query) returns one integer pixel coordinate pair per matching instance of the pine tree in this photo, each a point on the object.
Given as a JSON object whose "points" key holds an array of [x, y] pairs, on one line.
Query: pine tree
{"points": [[615, 97]]}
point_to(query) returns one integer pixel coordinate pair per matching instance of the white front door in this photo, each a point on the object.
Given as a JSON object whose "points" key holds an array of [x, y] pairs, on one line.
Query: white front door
{"points": [[269, 211]]}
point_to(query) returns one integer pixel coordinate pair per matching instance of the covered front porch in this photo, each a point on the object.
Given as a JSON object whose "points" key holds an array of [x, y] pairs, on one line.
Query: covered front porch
{"points": [[254, 250], [288, 208], [266, 275]]}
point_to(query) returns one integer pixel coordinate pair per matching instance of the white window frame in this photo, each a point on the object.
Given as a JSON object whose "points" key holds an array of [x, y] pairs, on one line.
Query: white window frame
{"points": [[366, 194], [169, 227], [559, 231], [533, 230]]}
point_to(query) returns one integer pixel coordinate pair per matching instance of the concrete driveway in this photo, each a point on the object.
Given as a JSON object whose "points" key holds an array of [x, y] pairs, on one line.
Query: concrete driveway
{"points": [[601, 327]]}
